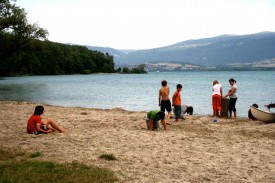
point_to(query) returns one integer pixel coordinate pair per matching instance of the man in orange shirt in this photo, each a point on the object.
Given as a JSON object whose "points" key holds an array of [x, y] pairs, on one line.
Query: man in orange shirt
{"points": [[176, 102]]}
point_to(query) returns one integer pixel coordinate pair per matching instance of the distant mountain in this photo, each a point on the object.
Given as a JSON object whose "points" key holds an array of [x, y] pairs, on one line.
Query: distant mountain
{"points": [[221, 51], [110, 51]]}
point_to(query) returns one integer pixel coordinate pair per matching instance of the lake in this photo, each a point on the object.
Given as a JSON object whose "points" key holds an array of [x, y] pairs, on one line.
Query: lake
{"points": [[139, 92]]}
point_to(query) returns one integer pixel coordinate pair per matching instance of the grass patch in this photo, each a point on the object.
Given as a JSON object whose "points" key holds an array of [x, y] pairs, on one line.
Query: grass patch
{"points": [[27, 170], [6, 155], [36, 154], [108, 157]]}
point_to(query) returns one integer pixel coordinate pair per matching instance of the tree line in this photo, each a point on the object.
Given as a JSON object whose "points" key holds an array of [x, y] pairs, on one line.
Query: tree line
{"points": [[24, 49], [139, 69]]}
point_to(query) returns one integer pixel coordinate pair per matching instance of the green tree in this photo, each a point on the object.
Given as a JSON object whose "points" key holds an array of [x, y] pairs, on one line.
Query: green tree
{"points": [[118, 69], [125, 70], [15, 36], [140, 69], [25, 50], [13, 21]]}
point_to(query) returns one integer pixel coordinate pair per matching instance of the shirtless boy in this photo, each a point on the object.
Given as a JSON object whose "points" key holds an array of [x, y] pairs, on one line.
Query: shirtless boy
{"points": [[164, 101]]}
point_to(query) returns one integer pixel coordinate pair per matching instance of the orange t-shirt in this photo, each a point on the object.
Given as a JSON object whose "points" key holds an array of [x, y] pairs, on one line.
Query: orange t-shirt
{"points": [[176, 98], [33, 121]]}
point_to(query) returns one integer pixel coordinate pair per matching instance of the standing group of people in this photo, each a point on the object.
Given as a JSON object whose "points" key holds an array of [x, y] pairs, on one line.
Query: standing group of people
{"points": [[165, 104], [217, 98]]}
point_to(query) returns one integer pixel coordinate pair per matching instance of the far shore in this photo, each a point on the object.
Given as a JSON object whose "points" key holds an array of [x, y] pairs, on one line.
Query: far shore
{"points": [[192, 150]]}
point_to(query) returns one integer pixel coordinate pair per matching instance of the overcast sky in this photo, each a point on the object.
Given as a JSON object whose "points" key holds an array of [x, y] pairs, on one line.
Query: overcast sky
{"points": [[144, 24]]}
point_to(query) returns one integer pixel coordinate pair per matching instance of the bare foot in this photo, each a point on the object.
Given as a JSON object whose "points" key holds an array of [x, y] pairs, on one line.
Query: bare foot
{"points": [[63, 130]]}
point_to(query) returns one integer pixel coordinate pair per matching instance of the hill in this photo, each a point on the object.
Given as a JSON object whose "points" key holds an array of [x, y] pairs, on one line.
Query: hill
{"points": [[222, 51]]}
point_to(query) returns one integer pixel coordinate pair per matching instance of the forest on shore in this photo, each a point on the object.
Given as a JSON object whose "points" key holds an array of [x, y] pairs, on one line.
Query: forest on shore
{"points": [[25, 50]]}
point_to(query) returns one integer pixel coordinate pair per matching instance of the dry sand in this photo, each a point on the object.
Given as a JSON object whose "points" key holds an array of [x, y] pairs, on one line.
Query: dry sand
{"points": [[193, 150]]}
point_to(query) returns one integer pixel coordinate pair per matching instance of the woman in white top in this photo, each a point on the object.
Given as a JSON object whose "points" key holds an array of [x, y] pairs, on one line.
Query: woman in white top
{"points": [[217, 98], [232, 93]]}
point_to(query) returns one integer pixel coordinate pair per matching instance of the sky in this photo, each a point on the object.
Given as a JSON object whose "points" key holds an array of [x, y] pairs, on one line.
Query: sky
{"points": [[146, 24]]}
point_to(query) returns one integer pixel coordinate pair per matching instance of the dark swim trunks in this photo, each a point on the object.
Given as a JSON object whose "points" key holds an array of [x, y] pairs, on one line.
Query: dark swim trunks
{"points": [[42, 126], [165, 104]]}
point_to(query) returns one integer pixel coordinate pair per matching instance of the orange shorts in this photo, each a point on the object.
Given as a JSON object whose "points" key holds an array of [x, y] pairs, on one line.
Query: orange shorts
{"points": [[216, 102]]}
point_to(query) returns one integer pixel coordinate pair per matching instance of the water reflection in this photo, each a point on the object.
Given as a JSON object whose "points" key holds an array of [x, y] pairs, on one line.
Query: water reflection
{"points": [[23, 92]]}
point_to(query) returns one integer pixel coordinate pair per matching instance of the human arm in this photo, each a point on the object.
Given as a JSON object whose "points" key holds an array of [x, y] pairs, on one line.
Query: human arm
{"points": [[232, 91], [151, 122], [173, 98], [39, 129], [159, 97]]}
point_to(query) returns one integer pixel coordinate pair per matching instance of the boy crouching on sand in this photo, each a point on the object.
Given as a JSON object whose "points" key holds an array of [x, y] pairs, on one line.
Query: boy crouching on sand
{"points": [[36, 126], [152, 119]]}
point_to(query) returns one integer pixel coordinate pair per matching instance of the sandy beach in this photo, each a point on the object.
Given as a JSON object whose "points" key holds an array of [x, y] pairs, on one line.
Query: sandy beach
{"points": [[192, 150]]}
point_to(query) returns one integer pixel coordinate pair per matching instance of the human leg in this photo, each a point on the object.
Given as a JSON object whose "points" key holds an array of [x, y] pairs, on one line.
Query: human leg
{"points": [[234, 108], [162, 106], [177, 112], [169, 109], [163, 124], [214, 105], [216, 102], [151, 123], [219, 105], [230, 108], [166, 105], [169, 115], [53, 125]]}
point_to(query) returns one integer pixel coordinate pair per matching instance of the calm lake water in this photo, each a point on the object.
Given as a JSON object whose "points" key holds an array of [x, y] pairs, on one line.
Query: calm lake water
{"points": [[139, 92]]}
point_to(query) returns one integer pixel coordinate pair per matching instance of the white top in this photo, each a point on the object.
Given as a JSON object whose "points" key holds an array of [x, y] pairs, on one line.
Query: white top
{"points": [[183, 109], [216, 89], [234, 95]]}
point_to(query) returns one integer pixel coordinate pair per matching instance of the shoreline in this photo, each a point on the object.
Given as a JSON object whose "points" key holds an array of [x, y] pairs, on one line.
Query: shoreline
{"points": [[115, 108], [192, 150]]}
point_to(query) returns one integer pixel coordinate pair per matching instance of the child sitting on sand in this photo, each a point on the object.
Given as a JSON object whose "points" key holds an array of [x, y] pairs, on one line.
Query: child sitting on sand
{"points": [[36, 126]]}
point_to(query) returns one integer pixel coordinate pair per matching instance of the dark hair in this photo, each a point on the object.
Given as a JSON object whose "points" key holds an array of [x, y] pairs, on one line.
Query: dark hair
{"points": [[38, 110], [179, 86], [232, 80], [255, 105], [189, 110], [161, 115], [164, 83]]}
